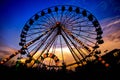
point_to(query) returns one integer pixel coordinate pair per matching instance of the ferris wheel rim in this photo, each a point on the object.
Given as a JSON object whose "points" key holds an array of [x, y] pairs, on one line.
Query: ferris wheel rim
{"points": [[84, 12]]}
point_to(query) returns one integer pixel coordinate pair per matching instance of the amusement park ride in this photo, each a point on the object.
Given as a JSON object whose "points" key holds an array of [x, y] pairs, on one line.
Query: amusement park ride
{"points": [[53, 36]]}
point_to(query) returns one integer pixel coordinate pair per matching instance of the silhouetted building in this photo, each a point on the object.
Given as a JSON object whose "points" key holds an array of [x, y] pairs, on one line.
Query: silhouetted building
{"points": [[112, 57]]}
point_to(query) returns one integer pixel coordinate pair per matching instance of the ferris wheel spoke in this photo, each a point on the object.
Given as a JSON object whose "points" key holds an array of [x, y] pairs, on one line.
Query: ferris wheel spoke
{"points": [[41, 25], [76, 39], [46, 20], [32, 34], [92, 38], [37, 47], [53, 38], [68, 21], [61, 16], [71, 49], [44, 40], [84, 37], [64, 16], [76, 17], [31, 47], [49, 42], [61, 50], [79, 27], [58, 16], [67, 17], [70, 10], [34, 50], [48, 17], [47, 45], [81, 54], [31, 42], [53, 17], [54, 45], [30, 39], [86, 31], [76, 23], [76, 47], [36, 30], [39, 28], [71, 19]]}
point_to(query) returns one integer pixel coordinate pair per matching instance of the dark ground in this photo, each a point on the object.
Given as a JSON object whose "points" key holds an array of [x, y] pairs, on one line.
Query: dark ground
{"points": [[89, 72]]}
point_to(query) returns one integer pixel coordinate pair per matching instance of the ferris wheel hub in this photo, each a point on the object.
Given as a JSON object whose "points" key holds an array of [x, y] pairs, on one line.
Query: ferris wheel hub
{"points": [[58, 23], [59, 27]]}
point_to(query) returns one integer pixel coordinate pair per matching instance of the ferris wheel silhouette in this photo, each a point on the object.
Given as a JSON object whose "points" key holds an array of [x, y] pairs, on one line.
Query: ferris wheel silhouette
{"points": [[59, 37]]}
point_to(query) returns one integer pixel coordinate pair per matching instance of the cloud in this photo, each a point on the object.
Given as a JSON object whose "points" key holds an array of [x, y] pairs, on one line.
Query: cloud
{"points": [[5, 50], [111, 28], [110, 25], [111, 33], [114, 36]]}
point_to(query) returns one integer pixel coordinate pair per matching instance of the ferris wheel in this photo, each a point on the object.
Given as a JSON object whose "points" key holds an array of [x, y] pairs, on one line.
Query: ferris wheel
{"points": [[60, 36]]}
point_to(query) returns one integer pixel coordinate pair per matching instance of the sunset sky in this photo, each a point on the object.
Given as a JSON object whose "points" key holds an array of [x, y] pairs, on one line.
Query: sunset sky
{"points": [[15, 13]]}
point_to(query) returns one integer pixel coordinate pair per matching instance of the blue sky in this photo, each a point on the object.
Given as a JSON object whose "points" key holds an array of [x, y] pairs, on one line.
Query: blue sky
{"points": [[15, 13]]}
